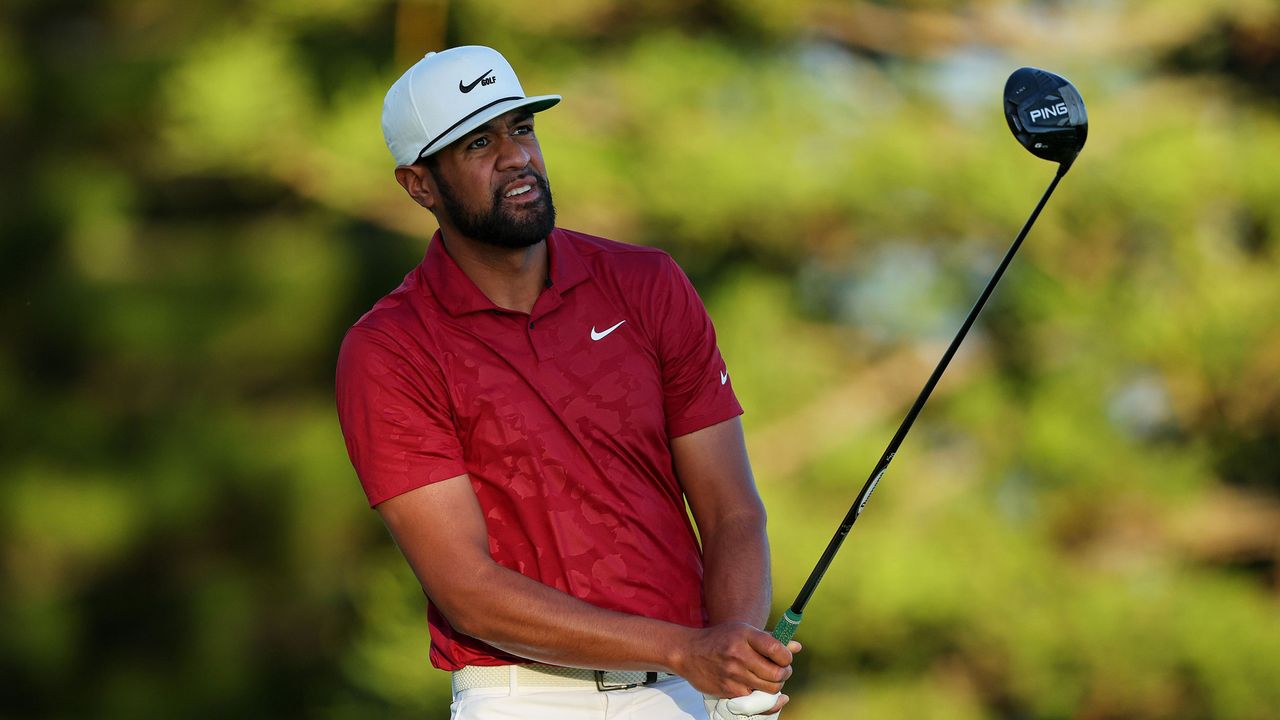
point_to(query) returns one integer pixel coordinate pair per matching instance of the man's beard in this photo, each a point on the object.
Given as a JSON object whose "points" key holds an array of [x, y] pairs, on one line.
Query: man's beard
{"points": [[496, 226]]}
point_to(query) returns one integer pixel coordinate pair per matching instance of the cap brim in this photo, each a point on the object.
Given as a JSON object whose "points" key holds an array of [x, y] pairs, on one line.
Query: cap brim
{"points": [[538, 103]]}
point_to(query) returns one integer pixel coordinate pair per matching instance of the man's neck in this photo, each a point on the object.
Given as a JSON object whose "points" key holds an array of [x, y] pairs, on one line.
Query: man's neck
{"points": [[510, 278]]}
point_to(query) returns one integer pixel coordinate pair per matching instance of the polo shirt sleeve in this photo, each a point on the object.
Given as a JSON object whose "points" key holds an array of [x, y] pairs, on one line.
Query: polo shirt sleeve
{"points": [[695, 386], [395, 417]]}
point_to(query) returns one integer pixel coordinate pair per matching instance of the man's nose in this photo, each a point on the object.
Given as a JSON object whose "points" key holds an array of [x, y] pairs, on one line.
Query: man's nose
{"points": [[513, 154]]}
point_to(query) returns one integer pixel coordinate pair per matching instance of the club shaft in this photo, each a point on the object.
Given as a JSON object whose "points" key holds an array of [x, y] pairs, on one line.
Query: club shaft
{"points": [[797, 607]]}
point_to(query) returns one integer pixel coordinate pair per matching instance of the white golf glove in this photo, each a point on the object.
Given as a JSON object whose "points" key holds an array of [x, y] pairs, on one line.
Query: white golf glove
{"points": [[747, 707]]}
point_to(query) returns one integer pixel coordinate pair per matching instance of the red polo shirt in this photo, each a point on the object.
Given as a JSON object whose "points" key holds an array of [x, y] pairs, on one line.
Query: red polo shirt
{"points": [[562, 418]]}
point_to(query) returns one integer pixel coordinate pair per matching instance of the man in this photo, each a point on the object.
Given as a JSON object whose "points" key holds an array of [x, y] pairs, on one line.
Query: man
{"points": [[528, 412]]}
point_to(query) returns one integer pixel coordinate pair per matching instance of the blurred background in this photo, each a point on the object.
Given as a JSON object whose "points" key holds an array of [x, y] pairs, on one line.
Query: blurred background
{"points": [[1085, 522]]}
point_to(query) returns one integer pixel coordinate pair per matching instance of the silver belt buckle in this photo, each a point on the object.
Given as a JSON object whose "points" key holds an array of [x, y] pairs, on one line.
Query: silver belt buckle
{"points": [[649, 679]]}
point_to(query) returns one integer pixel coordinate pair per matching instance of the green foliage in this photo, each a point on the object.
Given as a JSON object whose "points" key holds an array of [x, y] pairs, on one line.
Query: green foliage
{"points": [[1082, 524]]}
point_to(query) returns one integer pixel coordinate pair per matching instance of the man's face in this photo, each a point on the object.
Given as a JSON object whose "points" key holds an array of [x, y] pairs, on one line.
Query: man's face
{"points": [[492, 184]]}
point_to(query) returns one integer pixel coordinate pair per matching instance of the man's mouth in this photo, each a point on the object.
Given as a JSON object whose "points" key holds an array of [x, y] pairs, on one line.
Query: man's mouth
{"points": [[519, 190]]}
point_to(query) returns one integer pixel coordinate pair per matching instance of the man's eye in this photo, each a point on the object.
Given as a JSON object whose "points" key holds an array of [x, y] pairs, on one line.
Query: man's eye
{"points": [[524, 130], [479, 143]]}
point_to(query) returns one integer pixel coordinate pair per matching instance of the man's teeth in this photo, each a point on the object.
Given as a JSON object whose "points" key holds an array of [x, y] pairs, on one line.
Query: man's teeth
{"points": [[519, 191]]}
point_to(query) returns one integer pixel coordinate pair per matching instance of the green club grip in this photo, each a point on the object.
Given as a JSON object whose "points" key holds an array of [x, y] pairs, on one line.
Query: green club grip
{"points": [[786, 627]]}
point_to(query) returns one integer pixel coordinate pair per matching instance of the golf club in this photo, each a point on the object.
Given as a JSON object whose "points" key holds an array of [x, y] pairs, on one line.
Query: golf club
{"points": [[1046, 115]]}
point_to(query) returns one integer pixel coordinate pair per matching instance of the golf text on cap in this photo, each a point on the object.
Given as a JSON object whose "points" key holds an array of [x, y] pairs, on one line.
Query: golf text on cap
{"points": [[1052, 111], [482, 80]]}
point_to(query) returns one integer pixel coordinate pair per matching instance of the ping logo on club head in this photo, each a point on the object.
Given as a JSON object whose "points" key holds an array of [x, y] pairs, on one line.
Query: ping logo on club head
{"points": [[1050, 112]]}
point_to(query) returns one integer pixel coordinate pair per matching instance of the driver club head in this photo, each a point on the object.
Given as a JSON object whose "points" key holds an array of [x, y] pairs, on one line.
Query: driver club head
{"points": [[1046, 114]]}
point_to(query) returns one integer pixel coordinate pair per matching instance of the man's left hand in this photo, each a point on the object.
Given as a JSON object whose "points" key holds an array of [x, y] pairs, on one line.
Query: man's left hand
{"points": [[759, 705]]}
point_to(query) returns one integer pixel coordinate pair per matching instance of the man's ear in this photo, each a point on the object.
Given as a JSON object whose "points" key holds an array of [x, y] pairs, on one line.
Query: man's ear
{"points": [[418, 183]]}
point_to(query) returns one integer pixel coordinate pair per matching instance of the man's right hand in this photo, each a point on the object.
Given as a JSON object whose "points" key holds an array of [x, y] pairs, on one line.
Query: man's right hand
{"points": [[733, 659]]}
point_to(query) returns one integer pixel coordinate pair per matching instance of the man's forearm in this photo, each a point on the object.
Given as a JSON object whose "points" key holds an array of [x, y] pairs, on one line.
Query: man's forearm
{"points": [[532, 620], [736, 579], [716, 475], [441, 531]]}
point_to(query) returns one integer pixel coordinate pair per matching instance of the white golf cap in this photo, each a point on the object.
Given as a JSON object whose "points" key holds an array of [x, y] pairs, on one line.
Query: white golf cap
{"points": [[447, 94]]}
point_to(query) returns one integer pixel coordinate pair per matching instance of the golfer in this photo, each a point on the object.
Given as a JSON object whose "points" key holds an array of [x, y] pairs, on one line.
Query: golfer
{"points": [[529, 413]]}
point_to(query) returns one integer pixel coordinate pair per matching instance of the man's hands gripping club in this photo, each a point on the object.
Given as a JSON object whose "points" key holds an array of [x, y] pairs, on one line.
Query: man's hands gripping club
{"points": [[733, 659], [739, 669]]}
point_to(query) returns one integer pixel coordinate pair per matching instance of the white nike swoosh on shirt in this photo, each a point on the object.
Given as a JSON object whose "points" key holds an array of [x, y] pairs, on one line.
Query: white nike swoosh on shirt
{"points": [[724, 377], [601, 335]]}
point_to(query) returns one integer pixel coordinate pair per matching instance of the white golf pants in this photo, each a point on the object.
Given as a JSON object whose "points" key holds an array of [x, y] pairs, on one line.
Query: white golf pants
{"points": [[670, 699]]}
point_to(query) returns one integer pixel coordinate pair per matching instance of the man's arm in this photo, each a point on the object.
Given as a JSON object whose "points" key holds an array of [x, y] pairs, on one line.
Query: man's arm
{"points": [[716, 476], [441, 531]]}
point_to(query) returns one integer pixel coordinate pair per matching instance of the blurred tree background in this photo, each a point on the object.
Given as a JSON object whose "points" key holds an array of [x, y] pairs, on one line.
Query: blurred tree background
{"points": [[1085, 522]]}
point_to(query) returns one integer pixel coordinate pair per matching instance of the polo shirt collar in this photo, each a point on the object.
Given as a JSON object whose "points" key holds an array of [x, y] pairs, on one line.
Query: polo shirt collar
{"points": [[459, 295]]}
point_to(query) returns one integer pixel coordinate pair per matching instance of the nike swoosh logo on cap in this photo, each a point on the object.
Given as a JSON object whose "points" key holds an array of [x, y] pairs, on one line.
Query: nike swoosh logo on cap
{"points": [[472, 85], [601, 335]]}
